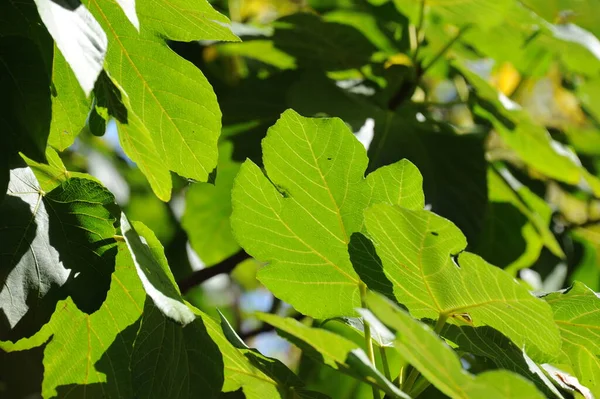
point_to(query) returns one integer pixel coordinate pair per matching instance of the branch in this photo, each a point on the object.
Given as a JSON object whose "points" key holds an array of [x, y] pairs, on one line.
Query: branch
{"points": [[200, 276]]}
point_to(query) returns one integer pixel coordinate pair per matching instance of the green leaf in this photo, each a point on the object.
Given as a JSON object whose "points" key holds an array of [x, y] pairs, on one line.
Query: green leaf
{"points": [[53, 244], [172, 110], [153, 269], [207, 212], [577, 314], [79, 37], [300, 218], [333, 350], [439, 364], [125, 349], [422, 257]]}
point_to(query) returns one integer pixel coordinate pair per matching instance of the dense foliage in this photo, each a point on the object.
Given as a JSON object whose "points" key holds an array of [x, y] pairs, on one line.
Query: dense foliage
{"points": [[407, 192]]}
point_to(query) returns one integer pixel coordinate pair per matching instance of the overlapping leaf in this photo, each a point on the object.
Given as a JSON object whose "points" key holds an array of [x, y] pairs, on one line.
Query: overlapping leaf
{"points": [[440, 365], [174, 119], [577, 314], [421, 255], [301, 217], [63, 237], [125, 349]]}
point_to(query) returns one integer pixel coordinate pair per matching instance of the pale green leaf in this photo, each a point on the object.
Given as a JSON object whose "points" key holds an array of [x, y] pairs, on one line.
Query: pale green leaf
{"points": [[78, 36], [422, 257], [577, 314], [153, 270], [301, 217], [418, 344]]}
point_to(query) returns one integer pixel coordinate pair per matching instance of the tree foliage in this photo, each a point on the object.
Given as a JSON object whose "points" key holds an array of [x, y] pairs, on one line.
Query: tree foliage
{"points": [[406, 192]]}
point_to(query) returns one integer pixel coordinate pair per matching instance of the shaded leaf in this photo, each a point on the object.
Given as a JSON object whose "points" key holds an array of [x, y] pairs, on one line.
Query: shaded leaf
{"points": [[45, 237], [126, 348]]}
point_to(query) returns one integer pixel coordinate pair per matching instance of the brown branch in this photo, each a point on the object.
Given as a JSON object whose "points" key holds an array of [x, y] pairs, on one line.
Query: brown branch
{"points": [[200, 276]]}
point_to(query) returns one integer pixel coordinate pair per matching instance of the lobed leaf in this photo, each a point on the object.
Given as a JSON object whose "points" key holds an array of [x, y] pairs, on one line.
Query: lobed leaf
{"points": [[300, 217]]}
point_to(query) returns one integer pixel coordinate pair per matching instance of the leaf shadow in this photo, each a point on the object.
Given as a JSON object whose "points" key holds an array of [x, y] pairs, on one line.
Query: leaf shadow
{"points": [[368, 265]]}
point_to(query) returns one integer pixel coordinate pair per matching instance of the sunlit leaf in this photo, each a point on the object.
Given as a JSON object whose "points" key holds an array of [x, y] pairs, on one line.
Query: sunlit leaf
{"points": [[300, 218], [423, 257]]}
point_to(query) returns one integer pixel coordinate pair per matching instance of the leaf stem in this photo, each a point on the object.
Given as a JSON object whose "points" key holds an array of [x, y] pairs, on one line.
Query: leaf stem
{"points": [[367, 331], [414, 373], [119, 238], [386, 366]]}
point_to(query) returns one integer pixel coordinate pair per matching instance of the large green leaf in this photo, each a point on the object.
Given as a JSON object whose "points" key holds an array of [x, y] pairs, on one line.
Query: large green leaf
{"points": [[453, 166], [422, 257], [301, 217], [439, 364], [63, 237], [78, 36], [333, 350], [126, 349], [152, 267], [577, 314], [173, 120], [207, 212]]}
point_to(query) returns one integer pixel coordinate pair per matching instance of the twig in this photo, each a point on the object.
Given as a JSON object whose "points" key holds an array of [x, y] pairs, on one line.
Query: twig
{"points": [[200, 276], [443, 51], [418, 33]]}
